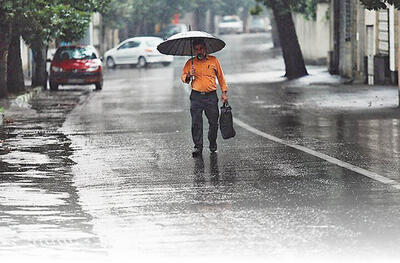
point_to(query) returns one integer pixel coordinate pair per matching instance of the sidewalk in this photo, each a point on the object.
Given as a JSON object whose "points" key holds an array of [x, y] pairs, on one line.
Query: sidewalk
{"points": [[357, 124], [20, 101], [335, 93], [323, 90]]}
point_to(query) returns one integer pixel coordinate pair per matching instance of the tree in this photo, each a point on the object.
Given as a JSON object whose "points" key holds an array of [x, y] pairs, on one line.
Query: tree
{"points": [[69, 23], [293, 58], [135, 17], [200, 7], [55, 19], [7, 12], [39, 22], [15, 76]]}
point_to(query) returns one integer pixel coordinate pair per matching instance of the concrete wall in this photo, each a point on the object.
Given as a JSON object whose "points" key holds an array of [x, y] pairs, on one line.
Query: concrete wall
{"points": [[347, 40], [188, 20], [111, 39], [314, 36], [26, 59]]}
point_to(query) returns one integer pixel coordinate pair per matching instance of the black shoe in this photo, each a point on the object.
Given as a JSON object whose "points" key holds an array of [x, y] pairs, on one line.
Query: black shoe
{"points": [[197, 152], [213, 149]]}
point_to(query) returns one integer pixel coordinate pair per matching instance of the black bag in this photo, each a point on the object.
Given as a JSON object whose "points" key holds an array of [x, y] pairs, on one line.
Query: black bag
{"points": [[226, 122]]}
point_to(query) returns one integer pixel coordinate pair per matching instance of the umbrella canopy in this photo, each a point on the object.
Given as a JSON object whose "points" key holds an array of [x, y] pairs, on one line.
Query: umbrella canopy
{"points": [[181, 44]]}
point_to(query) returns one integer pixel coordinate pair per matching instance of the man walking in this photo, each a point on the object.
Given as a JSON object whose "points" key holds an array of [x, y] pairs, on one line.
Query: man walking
{"points": [[203, 70]]}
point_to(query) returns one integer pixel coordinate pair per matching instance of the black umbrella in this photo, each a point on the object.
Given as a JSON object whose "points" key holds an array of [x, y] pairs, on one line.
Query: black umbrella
{"points": [[181, 44]]}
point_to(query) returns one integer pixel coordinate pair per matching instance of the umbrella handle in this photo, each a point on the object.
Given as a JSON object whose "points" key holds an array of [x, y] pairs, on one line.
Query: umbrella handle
{"points": [[191, 50], [191, 53]]}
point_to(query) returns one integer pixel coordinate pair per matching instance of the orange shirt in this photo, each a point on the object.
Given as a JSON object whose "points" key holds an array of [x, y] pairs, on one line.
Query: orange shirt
{"points": [[205, 72]]}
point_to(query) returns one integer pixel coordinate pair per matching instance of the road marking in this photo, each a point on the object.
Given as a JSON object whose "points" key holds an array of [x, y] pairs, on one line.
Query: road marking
{"points": [[325, 157], [351, 167]]}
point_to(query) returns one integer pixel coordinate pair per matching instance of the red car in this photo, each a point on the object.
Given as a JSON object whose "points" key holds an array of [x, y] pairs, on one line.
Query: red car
{"points": [[76, 65]]}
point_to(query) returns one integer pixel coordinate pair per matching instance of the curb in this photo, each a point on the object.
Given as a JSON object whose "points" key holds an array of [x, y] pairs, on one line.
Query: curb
{"points": [[25, 98], [20, 101]]}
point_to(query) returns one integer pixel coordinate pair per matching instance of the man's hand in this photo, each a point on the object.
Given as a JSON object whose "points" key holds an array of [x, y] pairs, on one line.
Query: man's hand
{"points": [[192, 72], [224, 97], [190, 75]]}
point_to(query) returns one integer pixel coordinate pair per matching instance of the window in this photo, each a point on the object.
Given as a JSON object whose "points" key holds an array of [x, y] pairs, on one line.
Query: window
{"points": [[126, 45], [130, 44], [347, 21], [134, 44], [65, 53]]}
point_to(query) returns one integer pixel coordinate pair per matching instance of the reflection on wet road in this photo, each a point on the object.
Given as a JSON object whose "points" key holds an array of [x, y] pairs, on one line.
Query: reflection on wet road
{"points": [[39, 204], [137, 192]]}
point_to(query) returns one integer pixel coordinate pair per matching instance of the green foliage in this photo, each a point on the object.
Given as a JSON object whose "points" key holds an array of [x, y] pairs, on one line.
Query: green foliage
{"points": [[71, 23], [256, 10], [231, 7], [380, 4], [128, 14], [118, 12], [44, 20], [306, 7]]}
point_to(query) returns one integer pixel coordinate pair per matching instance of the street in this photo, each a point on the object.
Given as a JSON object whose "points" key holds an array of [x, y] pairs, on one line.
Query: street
{"points": [[312, 174]]}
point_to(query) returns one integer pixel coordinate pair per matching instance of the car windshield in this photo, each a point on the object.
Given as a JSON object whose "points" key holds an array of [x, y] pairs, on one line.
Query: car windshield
{"points": [[66, 53], [229, 20]]}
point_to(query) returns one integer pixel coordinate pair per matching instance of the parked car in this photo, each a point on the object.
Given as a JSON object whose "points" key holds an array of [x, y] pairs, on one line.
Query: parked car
{"points": [[137, 51], [259, 24], [76, 65], [172, 29], [230, 24]]}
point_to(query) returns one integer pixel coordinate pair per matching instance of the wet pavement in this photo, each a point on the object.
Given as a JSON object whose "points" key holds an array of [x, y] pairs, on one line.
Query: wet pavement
{"points": [[109, 175]]}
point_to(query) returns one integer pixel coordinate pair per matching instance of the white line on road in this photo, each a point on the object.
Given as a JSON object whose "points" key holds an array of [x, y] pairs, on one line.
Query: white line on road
{"points": [[325, 157]]}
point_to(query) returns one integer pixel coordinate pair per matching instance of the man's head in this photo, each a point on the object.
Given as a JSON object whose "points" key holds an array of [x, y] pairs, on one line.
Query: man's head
{"points": [[199, 48]]}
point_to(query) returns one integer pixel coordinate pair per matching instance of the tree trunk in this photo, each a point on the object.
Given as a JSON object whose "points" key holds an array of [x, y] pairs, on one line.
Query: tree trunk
{"points": [[196, 20], [199, 19], [5, 34], [294, 62], [39, 76], [335, 57], [274, 31], [3, 72], [15, 75], [245, 19], [212, 21]]}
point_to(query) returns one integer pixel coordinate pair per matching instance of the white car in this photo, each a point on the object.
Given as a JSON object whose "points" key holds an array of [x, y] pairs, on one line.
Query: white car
{"points": [[259, 24], [137, 51], [230, 24]]}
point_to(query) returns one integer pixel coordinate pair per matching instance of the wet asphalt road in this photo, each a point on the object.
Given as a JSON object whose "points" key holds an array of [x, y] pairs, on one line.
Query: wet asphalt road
{"points": [[117, 180]]}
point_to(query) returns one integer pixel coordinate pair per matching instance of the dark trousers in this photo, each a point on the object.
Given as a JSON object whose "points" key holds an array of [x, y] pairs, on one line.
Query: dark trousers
{"points": [[208, 103]]}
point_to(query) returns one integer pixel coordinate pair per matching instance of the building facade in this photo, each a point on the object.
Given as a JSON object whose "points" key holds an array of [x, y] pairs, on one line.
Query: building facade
{"points": [[363, 43]]}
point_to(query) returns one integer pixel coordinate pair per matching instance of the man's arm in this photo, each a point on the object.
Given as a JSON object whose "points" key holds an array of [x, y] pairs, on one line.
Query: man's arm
{"points": [[222, 82], [185, 77], [187, 72]]}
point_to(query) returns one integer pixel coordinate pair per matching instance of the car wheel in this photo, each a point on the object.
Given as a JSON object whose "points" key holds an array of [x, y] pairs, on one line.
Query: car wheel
{"points": [[141, 62], [53, 86], [99, 85], [110, 62], [166, 63]]}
